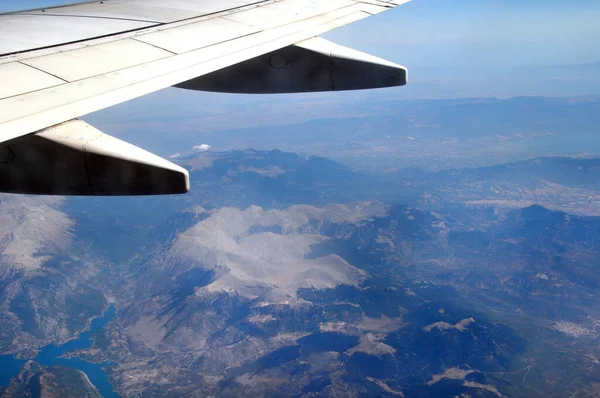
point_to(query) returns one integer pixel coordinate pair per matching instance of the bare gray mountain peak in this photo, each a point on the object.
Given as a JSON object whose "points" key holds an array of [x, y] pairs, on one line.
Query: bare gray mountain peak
{"points": [[270, 171], [460, 325], [30, 226], [372, 343], [267, 254]]}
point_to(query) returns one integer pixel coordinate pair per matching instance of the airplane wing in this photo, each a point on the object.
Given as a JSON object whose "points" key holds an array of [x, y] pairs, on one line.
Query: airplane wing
{"points": [[60, 63]]}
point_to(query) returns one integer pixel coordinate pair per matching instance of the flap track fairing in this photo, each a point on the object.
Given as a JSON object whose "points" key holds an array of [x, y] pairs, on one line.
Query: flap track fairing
{"points": [[74, 158], [309, 66]]}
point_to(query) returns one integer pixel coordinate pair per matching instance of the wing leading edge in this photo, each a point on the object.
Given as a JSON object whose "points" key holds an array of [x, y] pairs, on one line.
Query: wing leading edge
{"points": [[264, 47]]}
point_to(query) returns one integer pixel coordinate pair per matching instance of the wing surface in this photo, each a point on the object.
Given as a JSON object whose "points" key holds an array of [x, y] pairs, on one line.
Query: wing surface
{"points": [[60, 63]]}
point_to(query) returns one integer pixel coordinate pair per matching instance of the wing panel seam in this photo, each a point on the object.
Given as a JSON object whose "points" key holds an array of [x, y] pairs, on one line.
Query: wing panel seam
{"points": [[152, 45], [124, 33], [43, 71], [93, 17], [294, 22], [76, 41], [377, 3], [49, 7]]}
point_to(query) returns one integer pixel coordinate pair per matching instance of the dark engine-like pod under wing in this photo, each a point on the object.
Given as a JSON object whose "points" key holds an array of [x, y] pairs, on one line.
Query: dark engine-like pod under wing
{"points": [[74, 158], [310, 66]]}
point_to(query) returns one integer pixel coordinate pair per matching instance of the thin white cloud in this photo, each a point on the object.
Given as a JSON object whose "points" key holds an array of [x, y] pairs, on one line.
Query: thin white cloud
{"points": [[201, 148]]}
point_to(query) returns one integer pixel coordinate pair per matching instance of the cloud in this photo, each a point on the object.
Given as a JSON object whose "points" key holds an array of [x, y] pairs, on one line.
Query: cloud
{"points": [[201, 148], [174, 156]]}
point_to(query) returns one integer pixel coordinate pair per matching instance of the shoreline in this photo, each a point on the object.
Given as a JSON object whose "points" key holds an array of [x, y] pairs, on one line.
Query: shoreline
{"points": [[87, 379], [60, 343]]}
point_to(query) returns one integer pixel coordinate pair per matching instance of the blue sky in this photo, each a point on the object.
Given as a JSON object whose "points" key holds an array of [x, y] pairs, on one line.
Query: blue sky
{"points": [[471, 33], [482, 33]]}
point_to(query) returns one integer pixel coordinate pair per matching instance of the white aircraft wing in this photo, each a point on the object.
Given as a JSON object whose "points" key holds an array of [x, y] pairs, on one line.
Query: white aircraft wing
{"points": [[57, 64]]}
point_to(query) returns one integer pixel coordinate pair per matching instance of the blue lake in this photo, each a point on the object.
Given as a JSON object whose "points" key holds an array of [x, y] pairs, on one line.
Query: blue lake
{"points": [[50, 355]]}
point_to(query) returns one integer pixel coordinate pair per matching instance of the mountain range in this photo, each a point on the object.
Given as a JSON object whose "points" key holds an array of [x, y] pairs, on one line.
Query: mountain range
{"points": [[281, 274]]}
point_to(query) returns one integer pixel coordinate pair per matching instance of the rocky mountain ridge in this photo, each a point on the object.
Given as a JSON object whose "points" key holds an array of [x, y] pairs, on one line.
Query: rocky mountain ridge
{"points": [[288, 275]]}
